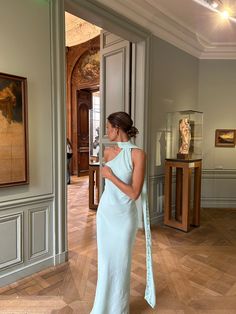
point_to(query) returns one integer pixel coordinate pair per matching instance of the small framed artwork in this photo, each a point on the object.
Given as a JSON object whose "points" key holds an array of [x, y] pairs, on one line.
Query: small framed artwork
{"points": [[13, 130], [225, 138]]}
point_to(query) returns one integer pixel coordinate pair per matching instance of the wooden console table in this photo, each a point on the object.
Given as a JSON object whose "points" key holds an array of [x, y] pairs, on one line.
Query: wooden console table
{"points": [[93, 182], [182, 193]]}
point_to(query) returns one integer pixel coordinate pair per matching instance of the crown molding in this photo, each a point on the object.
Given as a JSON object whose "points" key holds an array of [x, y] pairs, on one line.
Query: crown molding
{"points": [[172, 30]]}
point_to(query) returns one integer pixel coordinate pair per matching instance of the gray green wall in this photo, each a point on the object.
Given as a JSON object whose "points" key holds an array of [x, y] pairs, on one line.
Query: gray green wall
{"points": [[27, 211], [174, 86], [217, 99], [180, 81]]}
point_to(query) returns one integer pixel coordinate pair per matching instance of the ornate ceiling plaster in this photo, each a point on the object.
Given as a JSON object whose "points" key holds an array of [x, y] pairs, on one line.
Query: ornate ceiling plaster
{"points": [[78, 31]]}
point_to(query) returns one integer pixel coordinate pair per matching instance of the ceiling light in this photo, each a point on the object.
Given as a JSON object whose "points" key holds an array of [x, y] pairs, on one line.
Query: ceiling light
{"points": [[218, 6], [215, 4], [225, 14]]}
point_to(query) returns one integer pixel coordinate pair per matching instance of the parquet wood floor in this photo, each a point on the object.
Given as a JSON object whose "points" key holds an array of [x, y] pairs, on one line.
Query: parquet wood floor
{"points": [[195, 272]]}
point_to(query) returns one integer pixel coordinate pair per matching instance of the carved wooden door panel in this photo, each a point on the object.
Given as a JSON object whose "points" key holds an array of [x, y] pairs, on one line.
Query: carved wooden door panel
{"points": [[84, 102]]}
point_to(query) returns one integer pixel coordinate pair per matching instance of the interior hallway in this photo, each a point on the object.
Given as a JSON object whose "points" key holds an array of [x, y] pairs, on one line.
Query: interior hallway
{"points": [[195, 271]]}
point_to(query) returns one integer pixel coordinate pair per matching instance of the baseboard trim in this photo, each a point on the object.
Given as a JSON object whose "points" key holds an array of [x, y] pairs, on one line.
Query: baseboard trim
{"points": [[157, 220], [61, 258], [27, 270]]}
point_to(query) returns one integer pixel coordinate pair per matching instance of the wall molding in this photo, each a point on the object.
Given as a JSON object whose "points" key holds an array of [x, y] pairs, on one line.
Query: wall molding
{"points": [[18, 218], [208, 174], [169, 28], [32, 234], [216, 175], [58, 75], [156, 198], [218, 202], [26, 201]]}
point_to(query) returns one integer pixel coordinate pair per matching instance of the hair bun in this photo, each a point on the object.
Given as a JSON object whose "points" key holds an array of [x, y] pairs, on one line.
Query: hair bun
{"points": [[132, 131], [122, 120]]}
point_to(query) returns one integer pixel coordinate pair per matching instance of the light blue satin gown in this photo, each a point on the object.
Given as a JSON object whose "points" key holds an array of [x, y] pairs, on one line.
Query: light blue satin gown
{"points": [[117, 223]]}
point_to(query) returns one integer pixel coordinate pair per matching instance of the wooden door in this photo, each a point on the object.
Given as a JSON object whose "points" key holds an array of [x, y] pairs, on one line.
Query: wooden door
{"points": [[84, 103]]}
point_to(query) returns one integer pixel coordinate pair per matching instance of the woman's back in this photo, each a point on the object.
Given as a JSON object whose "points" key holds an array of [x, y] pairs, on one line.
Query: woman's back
{"points": [[122, 167]]}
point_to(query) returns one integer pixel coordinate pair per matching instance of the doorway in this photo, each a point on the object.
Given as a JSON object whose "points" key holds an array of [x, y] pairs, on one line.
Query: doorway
{"points": [[101, 16], [83, 104]]}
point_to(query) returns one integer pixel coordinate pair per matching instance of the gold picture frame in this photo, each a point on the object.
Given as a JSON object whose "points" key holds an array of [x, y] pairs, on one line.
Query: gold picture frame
{"points": [[13, 130], [225, 137]]}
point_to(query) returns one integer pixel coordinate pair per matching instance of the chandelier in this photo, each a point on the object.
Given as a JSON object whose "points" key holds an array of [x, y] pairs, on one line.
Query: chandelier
{"points": [[219, 6]]}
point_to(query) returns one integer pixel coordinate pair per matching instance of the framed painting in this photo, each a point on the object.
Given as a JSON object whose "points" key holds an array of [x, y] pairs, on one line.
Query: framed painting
{"points": [[225, 138], [13, 130]]}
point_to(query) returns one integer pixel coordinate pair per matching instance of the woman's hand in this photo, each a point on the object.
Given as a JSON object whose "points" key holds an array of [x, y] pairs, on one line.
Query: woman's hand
{"points": [[107, 172]]}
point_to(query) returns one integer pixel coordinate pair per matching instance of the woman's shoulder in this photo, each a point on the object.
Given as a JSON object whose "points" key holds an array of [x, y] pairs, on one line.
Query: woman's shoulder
{"points": [[138, 153], [106, 152]]}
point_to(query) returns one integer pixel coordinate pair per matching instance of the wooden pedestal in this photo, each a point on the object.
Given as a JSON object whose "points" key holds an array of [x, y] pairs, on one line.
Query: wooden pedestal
{"points": [[93, 182], [183, 193]]}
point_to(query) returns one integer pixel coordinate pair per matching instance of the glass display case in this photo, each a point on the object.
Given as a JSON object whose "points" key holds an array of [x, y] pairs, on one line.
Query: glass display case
{"points": [[184, 135]]}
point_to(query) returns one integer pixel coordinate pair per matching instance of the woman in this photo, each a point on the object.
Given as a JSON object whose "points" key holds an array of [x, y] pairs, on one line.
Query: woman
{"points": [[69, 154], [117, 219]]}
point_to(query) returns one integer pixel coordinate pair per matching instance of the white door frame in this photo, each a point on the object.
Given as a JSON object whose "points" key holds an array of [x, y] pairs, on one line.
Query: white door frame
{"points": [[105, 18]]}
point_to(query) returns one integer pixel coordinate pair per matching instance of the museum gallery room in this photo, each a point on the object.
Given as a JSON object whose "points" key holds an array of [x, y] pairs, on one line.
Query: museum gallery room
{"points": [[65, 66]]}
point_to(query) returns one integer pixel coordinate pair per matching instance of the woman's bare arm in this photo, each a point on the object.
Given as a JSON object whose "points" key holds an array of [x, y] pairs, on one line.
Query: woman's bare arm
{"points": [[134, 189]]}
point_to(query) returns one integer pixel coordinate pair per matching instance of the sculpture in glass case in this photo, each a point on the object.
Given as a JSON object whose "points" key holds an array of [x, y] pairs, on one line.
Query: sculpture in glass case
{"points": [[185, 131], [184, 135]]}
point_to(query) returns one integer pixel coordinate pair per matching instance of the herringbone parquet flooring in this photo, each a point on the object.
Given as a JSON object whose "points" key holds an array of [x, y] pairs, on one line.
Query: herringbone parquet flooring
{"points": [[195, 272]]}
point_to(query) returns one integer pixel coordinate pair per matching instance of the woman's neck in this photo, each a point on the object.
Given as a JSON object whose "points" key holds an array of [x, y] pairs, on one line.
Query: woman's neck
{"points": [[122, 138]]}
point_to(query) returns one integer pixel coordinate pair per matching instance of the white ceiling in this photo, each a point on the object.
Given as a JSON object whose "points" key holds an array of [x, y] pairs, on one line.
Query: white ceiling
{"points": [[199, 19], [184, 23]]}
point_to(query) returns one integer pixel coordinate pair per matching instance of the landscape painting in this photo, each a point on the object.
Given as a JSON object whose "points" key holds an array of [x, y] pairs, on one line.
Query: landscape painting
{"points": [[13, 130], [225, 138]]}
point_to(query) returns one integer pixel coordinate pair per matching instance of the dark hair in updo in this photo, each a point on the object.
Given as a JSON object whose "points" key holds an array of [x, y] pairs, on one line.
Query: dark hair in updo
{"points": [[123, 121]]}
